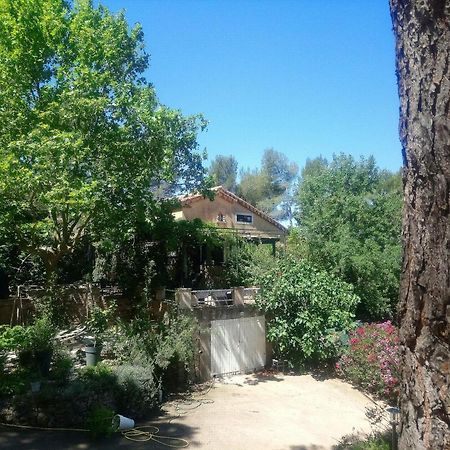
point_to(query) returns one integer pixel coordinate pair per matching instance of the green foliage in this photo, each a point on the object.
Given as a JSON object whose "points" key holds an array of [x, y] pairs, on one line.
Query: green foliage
{"points": [[62, 366], [12, 338], [15, 383], [223, 169], [247, 262], [99, 319], [100, 421], [98, 377], [143, 353], [270, 188], [350, 223], [35, 338], [377, 441], [307, 309], [145, 341], [41, 335], [84, 142], [137, 388]]}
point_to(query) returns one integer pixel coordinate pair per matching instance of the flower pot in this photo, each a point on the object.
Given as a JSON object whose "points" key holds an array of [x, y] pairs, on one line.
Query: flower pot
{"points": [[92, 355]]}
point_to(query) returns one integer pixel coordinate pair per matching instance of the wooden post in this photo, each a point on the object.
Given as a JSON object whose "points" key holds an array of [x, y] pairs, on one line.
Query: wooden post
{"points": [[238, 295], [183, 297]]}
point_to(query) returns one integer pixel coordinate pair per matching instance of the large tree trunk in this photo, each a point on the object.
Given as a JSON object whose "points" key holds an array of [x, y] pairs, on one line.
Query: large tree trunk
{"points": [[422, 30]]}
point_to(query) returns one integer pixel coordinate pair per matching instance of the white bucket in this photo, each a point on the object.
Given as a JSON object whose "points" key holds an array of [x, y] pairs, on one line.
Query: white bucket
{"points": [[122, 423]]}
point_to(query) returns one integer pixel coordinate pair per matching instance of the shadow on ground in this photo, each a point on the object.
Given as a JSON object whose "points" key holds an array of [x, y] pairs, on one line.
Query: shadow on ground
{"points": [[306, 447], [25, 439], [262, 377]]}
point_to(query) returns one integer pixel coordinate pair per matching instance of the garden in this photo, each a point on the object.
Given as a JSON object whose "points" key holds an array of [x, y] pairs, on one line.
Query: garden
{"points": [[52, 379], [91, 164]]}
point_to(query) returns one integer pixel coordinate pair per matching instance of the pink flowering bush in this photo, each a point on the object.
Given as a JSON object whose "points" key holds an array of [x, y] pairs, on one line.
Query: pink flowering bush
{"points": [[372, 359]]}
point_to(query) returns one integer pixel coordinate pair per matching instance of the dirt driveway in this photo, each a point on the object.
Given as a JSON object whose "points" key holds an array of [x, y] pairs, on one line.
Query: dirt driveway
{"points": [[276, 412], [243, 412]]}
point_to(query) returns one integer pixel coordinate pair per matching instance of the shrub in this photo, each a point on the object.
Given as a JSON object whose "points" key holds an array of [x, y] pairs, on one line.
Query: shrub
{"points": [[377, 441], [99, 320], [14, 383], [137, 388], [307, 309], [62, 366], [41, 335], [100, 421], [372, 359], [98, 377]]}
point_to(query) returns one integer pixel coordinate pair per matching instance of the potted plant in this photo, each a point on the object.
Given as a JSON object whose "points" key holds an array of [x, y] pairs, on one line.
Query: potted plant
{"points": [[36, 346], [42, 335]]}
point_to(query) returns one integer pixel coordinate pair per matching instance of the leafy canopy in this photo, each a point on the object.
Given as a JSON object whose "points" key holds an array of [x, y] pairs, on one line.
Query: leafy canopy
{"points": [[83, 138], [270, 188], [349, 215], [224, 171]]}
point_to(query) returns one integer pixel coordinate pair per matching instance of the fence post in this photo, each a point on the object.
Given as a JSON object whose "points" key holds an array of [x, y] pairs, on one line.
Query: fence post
{"points": [[183, 298], [160, 294], [238, 295]]}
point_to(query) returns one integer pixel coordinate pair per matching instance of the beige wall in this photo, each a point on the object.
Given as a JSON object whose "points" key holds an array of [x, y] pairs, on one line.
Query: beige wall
{"points": [[208, 211]]}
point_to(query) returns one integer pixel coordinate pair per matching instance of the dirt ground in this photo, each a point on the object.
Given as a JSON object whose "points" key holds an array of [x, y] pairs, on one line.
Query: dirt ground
{"points": [[242, 412]]}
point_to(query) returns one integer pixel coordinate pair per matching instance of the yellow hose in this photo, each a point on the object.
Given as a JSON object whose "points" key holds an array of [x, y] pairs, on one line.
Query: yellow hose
{"points": [[139, 434], [145, 433]]}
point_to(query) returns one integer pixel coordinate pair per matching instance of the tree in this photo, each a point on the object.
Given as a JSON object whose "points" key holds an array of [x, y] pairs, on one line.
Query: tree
{"points": [[224, 171], [307, 309], [422, 32], [349, 216], [83, 138], [271, 188]]}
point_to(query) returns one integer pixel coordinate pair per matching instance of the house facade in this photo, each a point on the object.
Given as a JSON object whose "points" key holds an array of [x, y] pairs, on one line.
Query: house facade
{"points": [[228, 211]]}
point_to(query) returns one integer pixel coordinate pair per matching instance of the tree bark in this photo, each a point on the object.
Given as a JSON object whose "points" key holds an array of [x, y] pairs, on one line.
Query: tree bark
{"points": [[422, 31]]}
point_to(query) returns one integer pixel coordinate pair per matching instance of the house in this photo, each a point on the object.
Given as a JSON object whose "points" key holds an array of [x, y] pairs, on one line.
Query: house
{"points": [[204, 265], [230, 212]]}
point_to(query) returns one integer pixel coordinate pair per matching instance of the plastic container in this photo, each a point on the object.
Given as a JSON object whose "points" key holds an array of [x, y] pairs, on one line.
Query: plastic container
{"points": [[92, 355], [121, 423]]}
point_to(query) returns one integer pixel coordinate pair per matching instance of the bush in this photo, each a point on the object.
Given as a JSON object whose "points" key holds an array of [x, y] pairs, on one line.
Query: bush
{"points": [[62, 366], [100, 421], [137, 388], [372, 359], [307, 309], [377, 441], [14, 383], [98, 377]]}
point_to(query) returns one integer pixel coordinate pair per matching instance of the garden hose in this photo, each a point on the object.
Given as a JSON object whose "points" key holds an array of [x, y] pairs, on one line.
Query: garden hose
{"points": [[150, 433], [145, 433], [137, 434], [29, 427]]}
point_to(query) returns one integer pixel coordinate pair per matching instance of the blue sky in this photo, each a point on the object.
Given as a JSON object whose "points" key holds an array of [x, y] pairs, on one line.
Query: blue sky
{"points": [[307, 78]]}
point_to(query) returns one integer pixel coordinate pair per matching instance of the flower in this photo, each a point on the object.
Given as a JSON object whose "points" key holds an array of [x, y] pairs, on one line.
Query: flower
{"points": [[372, 359]]}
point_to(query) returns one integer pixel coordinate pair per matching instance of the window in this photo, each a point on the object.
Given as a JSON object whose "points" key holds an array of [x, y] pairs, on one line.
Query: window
{"points": [[244, 218]]}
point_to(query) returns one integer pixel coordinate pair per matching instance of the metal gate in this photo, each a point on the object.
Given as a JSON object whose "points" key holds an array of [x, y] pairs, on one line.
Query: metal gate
{"points": [[238, 345]]}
